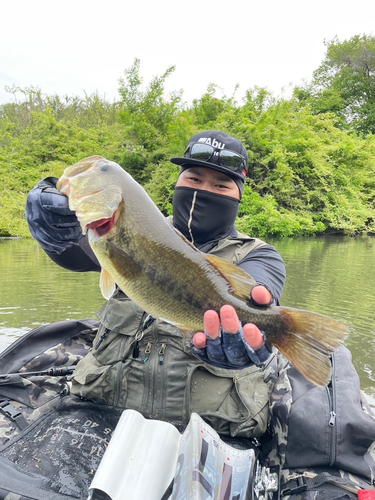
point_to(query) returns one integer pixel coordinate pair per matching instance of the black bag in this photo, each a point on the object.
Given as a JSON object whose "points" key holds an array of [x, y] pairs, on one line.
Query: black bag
{"points": [[323, 428]]}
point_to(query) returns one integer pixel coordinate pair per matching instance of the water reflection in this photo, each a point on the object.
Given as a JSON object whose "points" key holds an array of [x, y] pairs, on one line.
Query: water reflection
{"points": [[34, 291], [332, 276]]}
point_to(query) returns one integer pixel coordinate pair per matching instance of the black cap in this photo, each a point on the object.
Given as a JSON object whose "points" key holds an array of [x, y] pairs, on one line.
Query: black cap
{"points": [[219, 141]]}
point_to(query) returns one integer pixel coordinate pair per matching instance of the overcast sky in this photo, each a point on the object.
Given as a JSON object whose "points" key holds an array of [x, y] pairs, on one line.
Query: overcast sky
{"points": [[73, 46]]}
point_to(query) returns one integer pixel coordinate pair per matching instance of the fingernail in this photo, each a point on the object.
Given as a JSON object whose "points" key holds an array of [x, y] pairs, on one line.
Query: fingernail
{"points": [[210, 320], [226, 314]]}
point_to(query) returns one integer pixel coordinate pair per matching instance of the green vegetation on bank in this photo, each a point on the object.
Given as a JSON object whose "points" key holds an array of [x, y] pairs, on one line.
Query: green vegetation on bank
{"points": [[312, 157]]}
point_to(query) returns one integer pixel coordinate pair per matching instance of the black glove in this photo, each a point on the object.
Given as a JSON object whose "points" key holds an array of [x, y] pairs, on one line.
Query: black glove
{"points": [[54, 226], [231, 351]]}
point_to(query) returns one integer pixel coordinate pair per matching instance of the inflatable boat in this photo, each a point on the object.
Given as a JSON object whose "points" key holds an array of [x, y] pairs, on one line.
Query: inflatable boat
{"points": [[54, 445]]}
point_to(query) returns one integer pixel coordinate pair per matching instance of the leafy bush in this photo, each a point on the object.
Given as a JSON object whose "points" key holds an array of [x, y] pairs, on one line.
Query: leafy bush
{"points": [[306, 174]]}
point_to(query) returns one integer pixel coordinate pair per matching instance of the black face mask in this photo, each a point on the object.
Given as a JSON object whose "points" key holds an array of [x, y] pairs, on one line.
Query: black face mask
{"points": [[202, 216]]}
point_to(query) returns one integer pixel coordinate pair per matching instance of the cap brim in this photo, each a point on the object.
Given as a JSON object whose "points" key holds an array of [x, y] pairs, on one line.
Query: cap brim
{"points": [[206, 164]]}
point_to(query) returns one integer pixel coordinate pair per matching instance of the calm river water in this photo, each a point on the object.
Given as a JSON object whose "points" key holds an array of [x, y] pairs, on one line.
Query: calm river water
{"points": [[333, 276]]}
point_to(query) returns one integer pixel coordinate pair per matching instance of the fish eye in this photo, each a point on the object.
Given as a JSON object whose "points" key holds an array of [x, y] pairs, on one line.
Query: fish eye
{"points": [[104, 168]]}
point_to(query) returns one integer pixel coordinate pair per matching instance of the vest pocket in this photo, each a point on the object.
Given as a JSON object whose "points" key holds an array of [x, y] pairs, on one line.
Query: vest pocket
{"points": [[100, 376], [233, 402], [104, 384]]}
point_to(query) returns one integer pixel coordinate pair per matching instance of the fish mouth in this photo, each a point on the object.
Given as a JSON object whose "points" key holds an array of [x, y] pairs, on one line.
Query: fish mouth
{"points": [[102, 226]]}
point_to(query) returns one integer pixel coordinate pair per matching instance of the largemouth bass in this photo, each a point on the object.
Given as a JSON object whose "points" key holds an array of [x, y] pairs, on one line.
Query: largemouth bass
{"points": [[152, 263]]}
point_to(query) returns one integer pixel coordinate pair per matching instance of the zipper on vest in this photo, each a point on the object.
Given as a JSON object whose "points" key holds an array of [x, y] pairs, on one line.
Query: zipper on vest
{"points": [[332, 418], [100, 341], [147, 351], [331, 393], [138, 336], [154, 401], [149, 370], [161, 353], [162, 374]]}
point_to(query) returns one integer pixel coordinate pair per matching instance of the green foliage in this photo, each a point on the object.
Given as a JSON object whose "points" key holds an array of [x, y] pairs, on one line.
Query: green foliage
{"points": [[345, 83], [161, 185], [307, 174], [261, 216], [208, 108], [147, 115], [149, 104], [90, 112], [310, 167], [37, 140]]}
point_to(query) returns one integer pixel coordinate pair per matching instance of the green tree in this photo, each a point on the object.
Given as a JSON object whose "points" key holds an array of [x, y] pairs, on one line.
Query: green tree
{"points": [[320, 177], [345, 83], [148, 115]]}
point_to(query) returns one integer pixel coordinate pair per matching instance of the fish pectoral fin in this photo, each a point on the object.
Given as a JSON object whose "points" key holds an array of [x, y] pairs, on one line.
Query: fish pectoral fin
{"points": [[123, 262], [107, 284], [241, 283]]}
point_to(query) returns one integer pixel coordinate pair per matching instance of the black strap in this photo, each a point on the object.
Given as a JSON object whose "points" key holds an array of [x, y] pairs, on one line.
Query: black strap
{"points": [[303, 483], [13, 413], [326, 477]]}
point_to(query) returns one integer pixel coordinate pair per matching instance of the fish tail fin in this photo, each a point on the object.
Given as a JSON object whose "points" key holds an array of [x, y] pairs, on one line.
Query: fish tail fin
{"points": [[308, 340]]}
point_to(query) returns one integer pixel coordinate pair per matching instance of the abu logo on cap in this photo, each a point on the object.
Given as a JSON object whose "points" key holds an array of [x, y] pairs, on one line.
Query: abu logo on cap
{"points": [[212, 142]]}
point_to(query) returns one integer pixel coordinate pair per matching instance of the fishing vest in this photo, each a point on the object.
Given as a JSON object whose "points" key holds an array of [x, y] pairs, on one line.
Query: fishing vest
{"points": [[148, 366], [323, 438]]}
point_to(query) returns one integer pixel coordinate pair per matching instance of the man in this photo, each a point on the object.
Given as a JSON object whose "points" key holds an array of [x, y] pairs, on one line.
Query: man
{"points": [[227, 374], [214, 165]]}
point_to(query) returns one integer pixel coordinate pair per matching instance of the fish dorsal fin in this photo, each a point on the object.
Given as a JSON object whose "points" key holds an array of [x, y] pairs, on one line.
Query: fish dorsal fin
{"points": [[107, 284], [241, 284], [124, 264]]}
